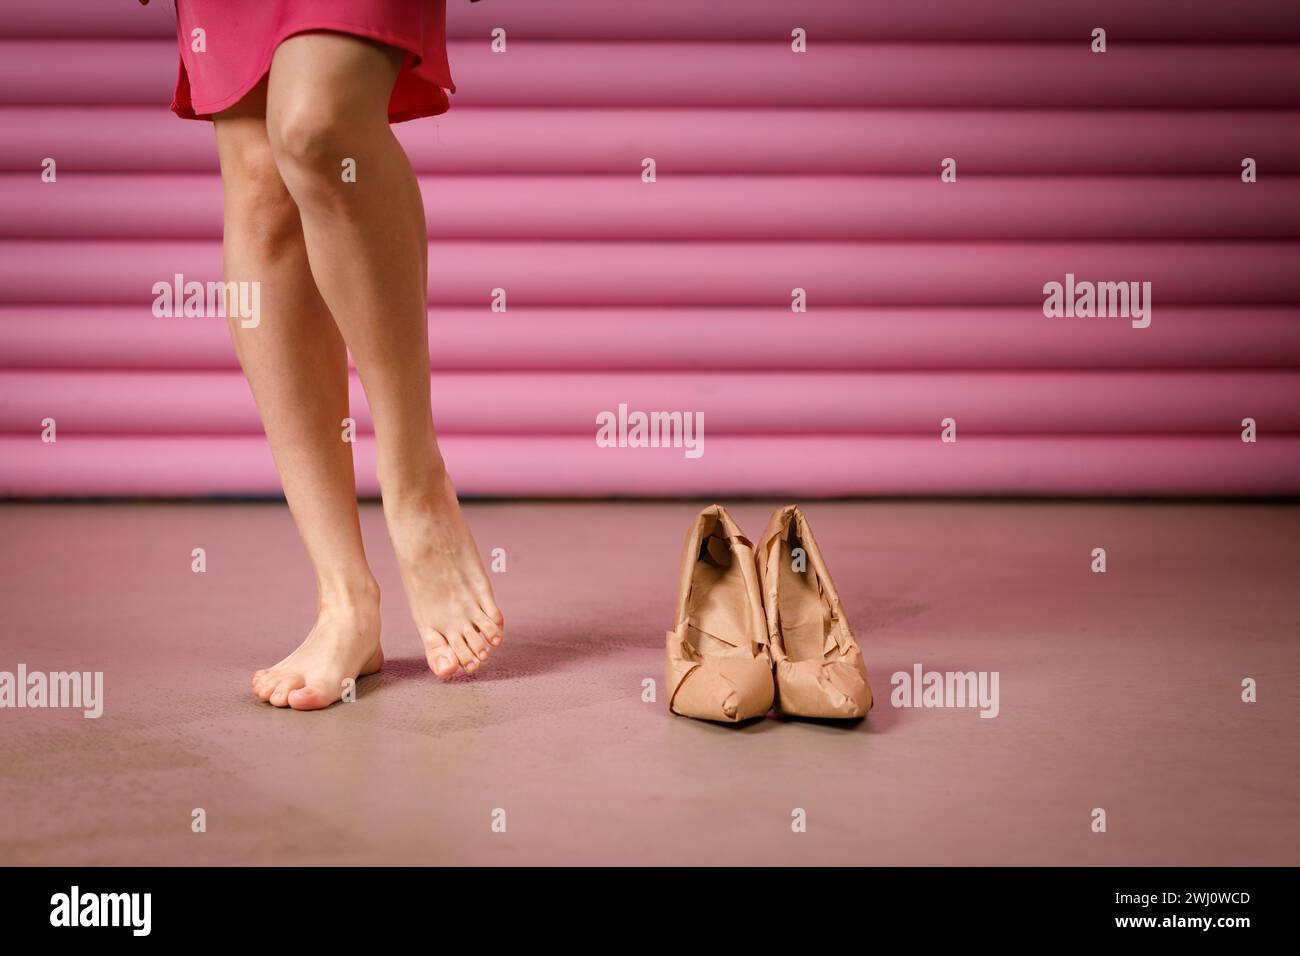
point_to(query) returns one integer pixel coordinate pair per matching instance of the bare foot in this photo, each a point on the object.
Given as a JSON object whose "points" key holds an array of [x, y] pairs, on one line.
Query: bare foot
{"points": [[451, 599], [344, 643]]}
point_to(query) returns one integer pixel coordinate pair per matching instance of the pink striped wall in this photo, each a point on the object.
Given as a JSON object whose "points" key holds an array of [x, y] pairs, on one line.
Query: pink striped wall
{"points": [[775, 170]]}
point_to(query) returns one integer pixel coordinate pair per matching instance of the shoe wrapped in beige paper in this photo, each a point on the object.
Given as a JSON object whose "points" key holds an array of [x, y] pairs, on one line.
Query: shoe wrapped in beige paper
{"points": [[717, 666], [819, 667]]}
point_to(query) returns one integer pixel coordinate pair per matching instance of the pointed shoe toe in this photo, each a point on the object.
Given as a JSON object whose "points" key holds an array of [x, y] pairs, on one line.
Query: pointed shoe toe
{"points": [[728, 690], [827, 689]]}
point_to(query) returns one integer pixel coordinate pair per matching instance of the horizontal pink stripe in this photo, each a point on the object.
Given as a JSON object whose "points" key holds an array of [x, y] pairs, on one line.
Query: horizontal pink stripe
{"points": [[575, 140], [574, 466], [77, 337], [720, 207], [825, 20], [709, 273], [767, 74], [732, 403]]}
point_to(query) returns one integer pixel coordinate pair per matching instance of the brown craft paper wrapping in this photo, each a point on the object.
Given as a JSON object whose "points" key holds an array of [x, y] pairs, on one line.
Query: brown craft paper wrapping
{"points": [[717, 665], [834, 684]]}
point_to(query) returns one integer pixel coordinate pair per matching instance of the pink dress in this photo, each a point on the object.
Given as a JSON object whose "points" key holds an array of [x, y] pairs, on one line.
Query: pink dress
{"points": [[240, 36]]}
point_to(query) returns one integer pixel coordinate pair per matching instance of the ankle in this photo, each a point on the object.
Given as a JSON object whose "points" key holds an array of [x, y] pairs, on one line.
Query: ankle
{"points": [[351, 593], [433, 492]]}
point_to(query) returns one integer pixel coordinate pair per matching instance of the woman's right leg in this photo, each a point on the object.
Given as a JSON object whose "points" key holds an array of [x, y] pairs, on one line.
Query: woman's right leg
{"points": [[296, 365], [368, 245]]}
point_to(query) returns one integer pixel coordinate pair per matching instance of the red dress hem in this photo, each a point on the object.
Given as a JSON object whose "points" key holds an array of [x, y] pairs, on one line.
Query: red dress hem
{"points": [[184, 106]]}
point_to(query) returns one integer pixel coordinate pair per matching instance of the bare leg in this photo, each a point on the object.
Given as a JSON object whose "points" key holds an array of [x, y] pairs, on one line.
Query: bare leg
{"points": [[296, 364], [368, 248]]}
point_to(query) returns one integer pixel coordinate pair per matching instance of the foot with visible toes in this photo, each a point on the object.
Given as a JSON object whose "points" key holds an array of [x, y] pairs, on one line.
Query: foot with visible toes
{"points": [[343, 644], [446, 584]]}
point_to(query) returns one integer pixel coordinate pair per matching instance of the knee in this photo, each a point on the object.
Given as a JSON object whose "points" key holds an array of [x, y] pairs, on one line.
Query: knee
{"points": [[258, 205], [310, 144]]}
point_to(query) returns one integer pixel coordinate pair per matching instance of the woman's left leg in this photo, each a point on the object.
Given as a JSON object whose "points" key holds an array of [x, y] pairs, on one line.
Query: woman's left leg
{"points": [[367, 245]]}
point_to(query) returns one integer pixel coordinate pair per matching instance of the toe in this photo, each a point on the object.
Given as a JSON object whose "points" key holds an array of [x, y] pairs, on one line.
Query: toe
{"points": [[466, 656], [489, 606], [438, 652], [314, 696], [489, 628], [263, 683], [280, 696], [477, 643]]}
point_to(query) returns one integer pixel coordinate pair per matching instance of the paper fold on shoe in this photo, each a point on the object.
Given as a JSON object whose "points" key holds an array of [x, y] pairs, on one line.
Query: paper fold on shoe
{"points": [[717, 665], [819, 667]]}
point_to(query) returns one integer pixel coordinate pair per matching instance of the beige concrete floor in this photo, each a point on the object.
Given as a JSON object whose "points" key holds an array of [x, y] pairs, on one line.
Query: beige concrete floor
{"points": [[1119, 691]]}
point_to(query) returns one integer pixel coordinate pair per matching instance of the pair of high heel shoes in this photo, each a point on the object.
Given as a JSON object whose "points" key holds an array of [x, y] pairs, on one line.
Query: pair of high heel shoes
{"points": [[757, 629]]}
